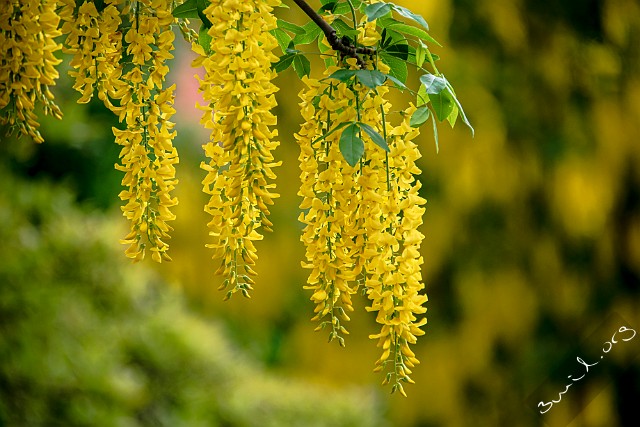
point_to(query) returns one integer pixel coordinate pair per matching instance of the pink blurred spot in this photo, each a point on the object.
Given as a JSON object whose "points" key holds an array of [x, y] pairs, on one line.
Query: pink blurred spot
{"points": [[187, 94]]}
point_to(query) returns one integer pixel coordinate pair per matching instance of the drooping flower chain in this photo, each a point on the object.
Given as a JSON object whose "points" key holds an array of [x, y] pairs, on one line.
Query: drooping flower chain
{"points": [[95, 41], [328, 191], [361, 222], [240, 94], [28, 29], [394, 280], [146, 106]]}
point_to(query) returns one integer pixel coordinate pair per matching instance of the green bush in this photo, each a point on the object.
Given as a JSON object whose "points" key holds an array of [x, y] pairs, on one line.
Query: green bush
{"points": [[88, 339]]}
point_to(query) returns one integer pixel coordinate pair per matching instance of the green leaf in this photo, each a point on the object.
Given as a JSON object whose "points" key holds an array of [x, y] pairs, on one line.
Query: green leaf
{"points": [[465, 120], [433, 84], [338, 7], [398, 83], [311, 32], [337, 128], [351, 146], [398, 68], [386, 21], [432, 57], [422, 97], [301, 65], [435, 132], [419, 116], [400, 50], [371, 78], [188, 9], [408, 14], [389, 37], [442, 104], [453, 116], [328, 6], [342, 75], [291, 48], [341, 8], [204, 39], [376, 10], [283, 63], [421, 53], [289, 26], [202, 5], [282, 37], [343, 28], [413, 31], [375, 136], [383, 38]]}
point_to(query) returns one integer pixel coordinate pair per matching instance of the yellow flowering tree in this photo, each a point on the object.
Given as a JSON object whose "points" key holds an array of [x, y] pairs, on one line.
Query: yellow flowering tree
{"points": [[360, 207]]}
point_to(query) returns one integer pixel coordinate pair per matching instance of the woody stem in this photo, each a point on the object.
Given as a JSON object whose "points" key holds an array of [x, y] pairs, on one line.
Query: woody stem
{"points": [[342, 45]]}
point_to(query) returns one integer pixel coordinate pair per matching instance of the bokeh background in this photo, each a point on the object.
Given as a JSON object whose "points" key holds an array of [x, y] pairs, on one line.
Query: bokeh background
{"points": [[532, 255]]}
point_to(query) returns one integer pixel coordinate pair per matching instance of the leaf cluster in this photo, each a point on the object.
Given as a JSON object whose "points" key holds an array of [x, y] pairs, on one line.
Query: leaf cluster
{"points": [[405, 42], [195, 9]]}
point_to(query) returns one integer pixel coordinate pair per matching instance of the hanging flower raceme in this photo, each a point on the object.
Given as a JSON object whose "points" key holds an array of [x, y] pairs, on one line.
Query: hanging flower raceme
{"points": [[328, 191], [146, 106], [95, 41], [372, 179], [361, 221], [394, 281], [239, 92], [339, 199], [28, 29]]}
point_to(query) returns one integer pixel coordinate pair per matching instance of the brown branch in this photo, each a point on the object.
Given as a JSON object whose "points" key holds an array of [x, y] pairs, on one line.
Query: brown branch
{"points": [[342, 45]]}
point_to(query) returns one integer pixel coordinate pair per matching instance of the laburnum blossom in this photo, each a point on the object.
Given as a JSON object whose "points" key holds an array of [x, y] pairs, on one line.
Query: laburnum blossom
{"points": [[146, 106], [361, 221], [372, 178], [368, 34], [94, 40], [239, 92], [394, 280], [336, 210], [328, 191], [28, 29]]}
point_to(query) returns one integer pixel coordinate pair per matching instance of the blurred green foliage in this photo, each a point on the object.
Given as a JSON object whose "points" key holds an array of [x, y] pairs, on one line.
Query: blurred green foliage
{"points": [[88, 339]]}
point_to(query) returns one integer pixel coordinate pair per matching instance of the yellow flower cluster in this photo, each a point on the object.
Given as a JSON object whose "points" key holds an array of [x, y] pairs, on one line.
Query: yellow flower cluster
{"points": [[240, 94], [95, 42], [394, 281], [361, 222], [329, 198], [28, 29], [147, 156]]}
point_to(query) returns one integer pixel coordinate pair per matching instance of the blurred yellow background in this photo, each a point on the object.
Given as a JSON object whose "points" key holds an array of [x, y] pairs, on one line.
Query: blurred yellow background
{"points": [[532, 226]]}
